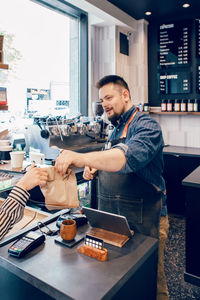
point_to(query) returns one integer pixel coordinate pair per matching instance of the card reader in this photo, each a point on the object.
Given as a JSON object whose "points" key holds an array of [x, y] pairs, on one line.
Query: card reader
{"points": [[26, 244]]}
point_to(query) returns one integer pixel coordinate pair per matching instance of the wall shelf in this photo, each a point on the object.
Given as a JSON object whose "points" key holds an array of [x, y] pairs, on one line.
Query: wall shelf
{"points": [[175, 113], [3, 66], [3, 107]]}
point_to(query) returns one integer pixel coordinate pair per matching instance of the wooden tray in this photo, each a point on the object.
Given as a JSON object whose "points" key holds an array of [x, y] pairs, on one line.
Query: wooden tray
{"points": [[31, 216], [7, 167]]}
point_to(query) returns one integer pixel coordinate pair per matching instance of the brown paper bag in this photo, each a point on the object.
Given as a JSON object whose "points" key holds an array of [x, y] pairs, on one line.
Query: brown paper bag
{"points": [[60, 191]]}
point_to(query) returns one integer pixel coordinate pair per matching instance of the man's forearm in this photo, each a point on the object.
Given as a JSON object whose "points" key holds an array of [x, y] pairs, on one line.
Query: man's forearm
{"points": [[110, 160]]}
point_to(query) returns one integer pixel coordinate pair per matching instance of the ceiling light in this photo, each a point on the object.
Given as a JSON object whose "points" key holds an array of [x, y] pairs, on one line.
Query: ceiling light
{"points": [[148, 13], [186, 5]]}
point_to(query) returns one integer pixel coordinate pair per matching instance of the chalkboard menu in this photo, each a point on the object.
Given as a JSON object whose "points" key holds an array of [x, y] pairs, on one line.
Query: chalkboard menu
{"points": [[198, 79], [174, 83], [197, 25], [174, 44]]}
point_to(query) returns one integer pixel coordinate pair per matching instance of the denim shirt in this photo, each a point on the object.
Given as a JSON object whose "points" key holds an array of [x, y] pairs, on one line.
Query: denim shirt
{"points": [[143, 148]]}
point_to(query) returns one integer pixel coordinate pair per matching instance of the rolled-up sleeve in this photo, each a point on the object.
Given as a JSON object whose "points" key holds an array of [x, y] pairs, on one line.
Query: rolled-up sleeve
{"points": [[144, 140], [12, 209]]}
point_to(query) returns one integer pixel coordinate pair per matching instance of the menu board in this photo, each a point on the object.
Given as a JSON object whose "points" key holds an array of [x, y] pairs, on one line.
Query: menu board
{"points": [[174, 83], [198, 79], [197, 25], [174, 44]]}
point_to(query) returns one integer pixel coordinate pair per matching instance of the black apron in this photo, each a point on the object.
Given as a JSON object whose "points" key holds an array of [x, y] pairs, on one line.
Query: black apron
{"points": [[130, 196]]}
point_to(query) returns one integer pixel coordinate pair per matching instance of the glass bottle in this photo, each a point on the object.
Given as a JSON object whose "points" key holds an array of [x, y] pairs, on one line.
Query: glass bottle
{"points": [[140, 107], [190, 105], [196, 105], [164, 105], [146, 107], [169, 105], [184, 105], [177, 105]]}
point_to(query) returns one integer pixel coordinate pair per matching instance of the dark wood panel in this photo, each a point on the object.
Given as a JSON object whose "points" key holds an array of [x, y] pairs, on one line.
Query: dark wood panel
{"points": [[176, 168]]}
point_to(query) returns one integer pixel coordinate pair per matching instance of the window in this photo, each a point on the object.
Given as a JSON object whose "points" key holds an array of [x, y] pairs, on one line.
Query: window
{"points": [[45, 46]]}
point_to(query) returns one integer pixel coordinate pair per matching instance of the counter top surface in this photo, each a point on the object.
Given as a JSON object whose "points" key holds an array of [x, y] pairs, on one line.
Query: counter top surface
{"points": [[184, 151], [193, 179], [63, 273]]}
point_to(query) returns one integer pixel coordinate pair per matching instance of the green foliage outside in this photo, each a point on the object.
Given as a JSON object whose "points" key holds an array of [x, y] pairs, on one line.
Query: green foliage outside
{"points": [[11, 57]]}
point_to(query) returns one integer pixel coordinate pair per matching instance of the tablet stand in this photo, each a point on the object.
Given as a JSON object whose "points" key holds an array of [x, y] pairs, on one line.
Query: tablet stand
{"points": [[109, 237]]}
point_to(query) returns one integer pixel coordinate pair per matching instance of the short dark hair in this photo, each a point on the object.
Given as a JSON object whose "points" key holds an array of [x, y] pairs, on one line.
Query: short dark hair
{"points": [[112, 79]]}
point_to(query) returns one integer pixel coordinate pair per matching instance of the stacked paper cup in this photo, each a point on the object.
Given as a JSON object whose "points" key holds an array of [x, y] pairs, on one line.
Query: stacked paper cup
{"points": [[5, 150]]}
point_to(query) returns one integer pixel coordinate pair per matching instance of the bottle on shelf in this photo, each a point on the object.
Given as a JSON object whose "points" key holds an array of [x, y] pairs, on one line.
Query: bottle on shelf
{"points": [[170, 105], [190, 105], [184, 105], [164, 105], [177, 105], [140, 107], [196, 105], [146, 107]]}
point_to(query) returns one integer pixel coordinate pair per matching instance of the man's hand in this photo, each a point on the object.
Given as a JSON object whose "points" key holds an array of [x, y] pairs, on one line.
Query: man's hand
{"points": [[89, 173], [33, 177], [68, 158]]}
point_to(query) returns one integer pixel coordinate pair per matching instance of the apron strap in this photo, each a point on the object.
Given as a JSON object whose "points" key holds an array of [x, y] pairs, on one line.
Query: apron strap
{"points": [[124, 133]]}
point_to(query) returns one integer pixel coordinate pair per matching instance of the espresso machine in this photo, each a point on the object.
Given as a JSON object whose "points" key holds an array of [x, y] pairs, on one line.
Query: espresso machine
{"points": [[78, 133]]}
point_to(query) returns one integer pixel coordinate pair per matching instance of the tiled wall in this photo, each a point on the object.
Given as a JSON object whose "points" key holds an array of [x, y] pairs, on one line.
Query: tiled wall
{"points": [[180, 130]]}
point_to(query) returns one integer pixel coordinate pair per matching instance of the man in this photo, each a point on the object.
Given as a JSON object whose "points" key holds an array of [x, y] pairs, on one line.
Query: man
{"points": [[135, 147], [12, 209]]}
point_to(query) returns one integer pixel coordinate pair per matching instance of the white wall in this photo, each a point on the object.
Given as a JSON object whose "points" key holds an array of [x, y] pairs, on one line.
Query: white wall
{"points": [[134, 68], [106, 59], [180, 130], [102, 56]]}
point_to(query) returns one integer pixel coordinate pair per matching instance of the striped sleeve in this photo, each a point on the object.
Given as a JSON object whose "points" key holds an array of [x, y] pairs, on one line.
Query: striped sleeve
{"points": [[12, 209]]}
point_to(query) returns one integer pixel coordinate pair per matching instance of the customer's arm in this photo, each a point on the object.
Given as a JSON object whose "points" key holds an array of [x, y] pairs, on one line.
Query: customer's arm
{"points": [[12, 209]]}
